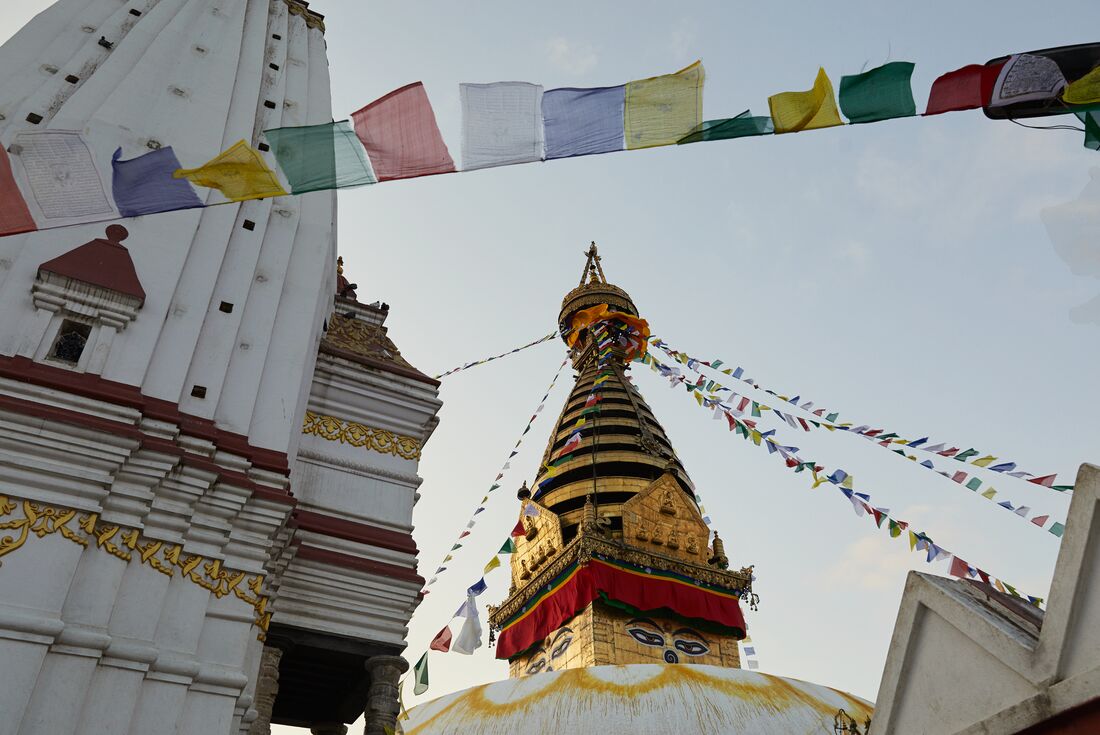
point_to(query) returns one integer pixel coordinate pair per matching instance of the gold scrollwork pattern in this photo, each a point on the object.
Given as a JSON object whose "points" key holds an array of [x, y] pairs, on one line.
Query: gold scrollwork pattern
{"points": [[333, 429], [29, 517]]}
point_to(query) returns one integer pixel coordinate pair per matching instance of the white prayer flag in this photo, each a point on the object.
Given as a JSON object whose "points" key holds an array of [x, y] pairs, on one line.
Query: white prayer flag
{"points": [[501, 124], [59, 173], [469, 638]]}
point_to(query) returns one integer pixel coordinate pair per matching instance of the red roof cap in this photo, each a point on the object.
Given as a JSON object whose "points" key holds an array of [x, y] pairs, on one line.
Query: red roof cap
{"points": [[103, 263]]}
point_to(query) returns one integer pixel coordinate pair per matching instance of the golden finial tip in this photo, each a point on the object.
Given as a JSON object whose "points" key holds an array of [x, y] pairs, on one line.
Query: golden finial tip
{"points": [[340, 265]]}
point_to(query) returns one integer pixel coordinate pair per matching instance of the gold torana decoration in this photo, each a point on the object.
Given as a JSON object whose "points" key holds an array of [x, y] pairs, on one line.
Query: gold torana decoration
{"points": [[363, 339], [333, 429], [29, 517]]}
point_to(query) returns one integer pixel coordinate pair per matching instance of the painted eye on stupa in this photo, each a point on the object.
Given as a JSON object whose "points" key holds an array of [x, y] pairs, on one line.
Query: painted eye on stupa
{"points": [[561, 643], [537, 665], [645, 632], [689, 642]]}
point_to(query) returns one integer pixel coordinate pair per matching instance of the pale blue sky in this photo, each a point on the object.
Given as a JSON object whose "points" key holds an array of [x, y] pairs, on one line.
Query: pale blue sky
{"points": [[896, 272]]}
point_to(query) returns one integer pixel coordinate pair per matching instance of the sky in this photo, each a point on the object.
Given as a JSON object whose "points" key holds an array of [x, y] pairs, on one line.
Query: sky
{"points": [[899, 273]]}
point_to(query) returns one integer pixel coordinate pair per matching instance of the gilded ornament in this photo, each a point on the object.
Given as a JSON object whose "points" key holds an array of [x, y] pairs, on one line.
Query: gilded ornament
{"points": [[333, 429], [44, 520]]}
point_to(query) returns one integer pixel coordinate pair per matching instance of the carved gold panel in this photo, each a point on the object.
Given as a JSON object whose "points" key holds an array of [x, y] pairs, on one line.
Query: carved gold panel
{"points": [[662, 519], [541, 543]]}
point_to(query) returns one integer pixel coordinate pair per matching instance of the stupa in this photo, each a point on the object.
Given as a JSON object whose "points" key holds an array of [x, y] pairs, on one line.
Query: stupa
{"points": [[623, 611]]}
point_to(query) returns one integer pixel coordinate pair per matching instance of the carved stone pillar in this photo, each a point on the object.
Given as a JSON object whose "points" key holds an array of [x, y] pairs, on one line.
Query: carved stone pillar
{"points": [[382, 707], [329, 728], [267, 688]]}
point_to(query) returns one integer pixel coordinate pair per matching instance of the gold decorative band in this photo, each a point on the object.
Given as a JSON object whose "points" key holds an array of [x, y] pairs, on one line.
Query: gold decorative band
{"points": [[333, 429], [127, 544]]}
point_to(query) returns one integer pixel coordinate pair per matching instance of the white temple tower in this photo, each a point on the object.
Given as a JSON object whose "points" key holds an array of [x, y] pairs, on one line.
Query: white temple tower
{"points": [[189, 465]]}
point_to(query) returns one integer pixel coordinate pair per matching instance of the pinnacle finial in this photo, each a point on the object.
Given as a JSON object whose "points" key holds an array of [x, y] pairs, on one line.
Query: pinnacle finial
{"points": [[592, 268], [523, 493], [340, 265]]}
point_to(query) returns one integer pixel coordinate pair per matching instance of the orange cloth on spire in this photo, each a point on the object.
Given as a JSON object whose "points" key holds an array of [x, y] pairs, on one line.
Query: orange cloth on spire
{"points": [[602, 313]]}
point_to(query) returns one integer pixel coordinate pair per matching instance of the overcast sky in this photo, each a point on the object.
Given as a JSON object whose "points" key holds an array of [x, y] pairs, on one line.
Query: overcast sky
{"points": [[898, 273]]}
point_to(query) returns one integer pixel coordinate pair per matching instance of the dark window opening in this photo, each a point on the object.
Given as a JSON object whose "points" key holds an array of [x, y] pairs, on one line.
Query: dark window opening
{"points": [[72, 338], [198, 391], [249, 224], [269, 104], [226, 307], [264, 147], [34, 118], [72, 79]]}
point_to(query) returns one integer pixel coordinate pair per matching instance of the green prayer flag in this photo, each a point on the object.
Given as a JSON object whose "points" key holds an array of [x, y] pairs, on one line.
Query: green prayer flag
{"points": [[974, 483], [315, 157], [756, 409], [509, 547], [879, 94], [420, 675], [741, 126], [1091, 120], [831, 417], [963, 456], [1057, 529]]}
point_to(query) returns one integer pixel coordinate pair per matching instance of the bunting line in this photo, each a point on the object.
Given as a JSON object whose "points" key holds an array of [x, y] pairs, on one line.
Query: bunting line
{"points": [[468, 529], [475, 363], [861, 502], [973, 484], [829, 419]]}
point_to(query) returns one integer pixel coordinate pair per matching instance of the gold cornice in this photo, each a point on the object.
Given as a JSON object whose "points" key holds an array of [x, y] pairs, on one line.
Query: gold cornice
{"points": [[584, 547], [334, 429], [312, 19], [44, 520]]}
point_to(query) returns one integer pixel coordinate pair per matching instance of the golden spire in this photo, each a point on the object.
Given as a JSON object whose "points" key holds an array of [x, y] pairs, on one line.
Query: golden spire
{"points": [[592, 267]]}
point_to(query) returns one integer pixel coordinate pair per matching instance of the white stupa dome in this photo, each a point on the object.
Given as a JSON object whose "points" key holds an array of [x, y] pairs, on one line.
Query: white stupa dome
{"points": [[639, 699]]}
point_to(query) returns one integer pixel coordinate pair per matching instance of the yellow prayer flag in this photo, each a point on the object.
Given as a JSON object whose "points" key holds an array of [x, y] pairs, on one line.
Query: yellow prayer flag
{"points": [[239, 173], [756, 437], [989, 493], [493, 564], [815, 108], [984, 461], [912, 540], [1085, 90], [999, 586], [449, 557], [698, 398], [662, 110]]}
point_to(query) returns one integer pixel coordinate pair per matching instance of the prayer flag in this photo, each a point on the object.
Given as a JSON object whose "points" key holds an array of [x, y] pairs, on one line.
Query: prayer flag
{"points": [[15, 217], [239, 173], [1084, 91], [959, 568], [442, 640], [531, 510], [61, 175], [662, 110], [989, 493], [912, 541], [1022, 511], [501, 124], [477, 588], [145, 185], [750, 650], [572, 443], [1047, 481], [1025, 78], [318, 157], [814, 108], [401, 136], [984, 461], [493, 564], [962, 89], [509, 547], [754, 664], [420, 675], [1040, 520], [895, 529], [469, 637], [742, 126], [879, 94], [519, 530], [963, 456], [1057, 529], [974, 483], [582, 122], [1005, 467]]}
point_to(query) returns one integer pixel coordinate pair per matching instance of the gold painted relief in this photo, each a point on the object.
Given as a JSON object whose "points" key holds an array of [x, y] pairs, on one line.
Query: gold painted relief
{"points": [[334, 429], [540, 543], [663, 520]]}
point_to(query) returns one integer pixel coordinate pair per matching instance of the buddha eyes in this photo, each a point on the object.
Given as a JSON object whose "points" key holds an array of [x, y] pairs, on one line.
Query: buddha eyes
{"points": [[692, 648], [559, 649], [537, 665], [645, 637]]}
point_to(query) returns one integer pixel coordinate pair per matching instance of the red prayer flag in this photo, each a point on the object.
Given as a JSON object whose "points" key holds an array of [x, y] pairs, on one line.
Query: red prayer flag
{"points": [[958, 477], [464, 534], [442, 640], [1047, 481], [949, 452], [14, 215], [959, 568], [519, 530], [401, 136], [984, 576], [1040, 520], [963, 89]]}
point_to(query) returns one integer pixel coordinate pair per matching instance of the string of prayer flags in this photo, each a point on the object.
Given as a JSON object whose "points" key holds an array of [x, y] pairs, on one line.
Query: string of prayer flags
{"points": [[501, 124], [583, 122], [145, 185], [815, 108], [15, 217], [239, 173], [401, 137], [879, 94], [829, 420], [318, 157], [1026, 78], [662, 110], [741, 126], [1084, 91], [475, 363], [507, 465], [963, 89], [860, 501]]}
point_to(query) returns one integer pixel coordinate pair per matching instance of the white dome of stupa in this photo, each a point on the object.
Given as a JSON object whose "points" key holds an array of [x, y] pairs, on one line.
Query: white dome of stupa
{"points": [[639, 699]]}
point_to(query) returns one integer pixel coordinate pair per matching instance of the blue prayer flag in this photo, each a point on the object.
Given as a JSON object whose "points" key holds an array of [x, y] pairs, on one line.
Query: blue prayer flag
{"points": [[478, 587], [144, 185], [581, 122]]}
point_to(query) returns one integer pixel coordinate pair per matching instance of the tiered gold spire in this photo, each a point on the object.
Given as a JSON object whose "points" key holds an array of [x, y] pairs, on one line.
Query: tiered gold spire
{"points": [[617, 504]]}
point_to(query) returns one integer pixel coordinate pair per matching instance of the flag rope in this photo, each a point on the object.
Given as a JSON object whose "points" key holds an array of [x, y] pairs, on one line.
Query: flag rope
{"points": [[475, 363]]}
